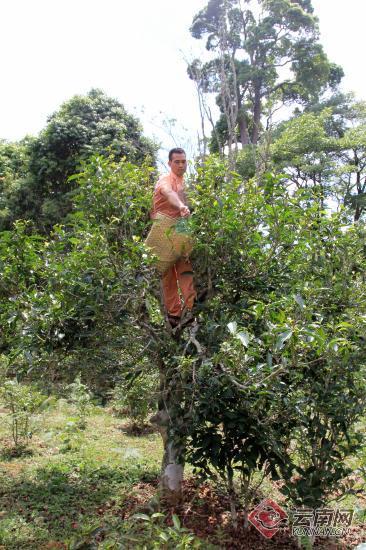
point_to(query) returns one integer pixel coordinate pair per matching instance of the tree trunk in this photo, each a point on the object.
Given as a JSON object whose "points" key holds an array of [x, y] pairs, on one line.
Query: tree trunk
{"points": [[169, 422], [256, 113], [360, 191], [172, 468], [358, 213], [243, 127]]}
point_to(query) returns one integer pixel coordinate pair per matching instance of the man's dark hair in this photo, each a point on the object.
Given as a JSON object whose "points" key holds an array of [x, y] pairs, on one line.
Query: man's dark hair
{"points": [[177, 150]]}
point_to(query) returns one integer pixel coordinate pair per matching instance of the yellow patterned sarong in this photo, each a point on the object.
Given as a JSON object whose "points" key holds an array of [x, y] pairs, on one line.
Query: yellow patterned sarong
{"points": [[166, 243]]}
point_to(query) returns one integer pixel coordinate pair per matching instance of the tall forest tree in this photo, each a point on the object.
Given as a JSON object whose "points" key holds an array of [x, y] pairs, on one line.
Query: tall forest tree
{"points": [[84, 125], [264, 51], [324, 149]]}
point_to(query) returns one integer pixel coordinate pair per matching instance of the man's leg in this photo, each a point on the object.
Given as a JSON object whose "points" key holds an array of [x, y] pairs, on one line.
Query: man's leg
{"points": [[185, 279], [170, 292]]}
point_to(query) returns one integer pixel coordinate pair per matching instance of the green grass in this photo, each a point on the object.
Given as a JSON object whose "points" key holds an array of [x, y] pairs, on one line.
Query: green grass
{"points": [[63, 494], [54, 494]]}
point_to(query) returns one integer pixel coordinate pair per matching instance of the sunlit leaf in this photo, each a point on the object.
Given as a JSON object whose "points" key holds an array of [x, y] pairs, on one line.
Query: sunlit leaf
{"points": [[282, 338], [243, 337], [232, 327]]}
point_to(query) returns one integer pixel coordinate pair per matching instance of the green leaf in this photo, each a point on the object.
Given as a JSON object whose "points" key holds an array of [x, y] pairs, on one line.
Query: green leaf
{"points": [[299, 300], [232, 327], [141, 516], [182, 226], [281, 338], [243, 337], [176, 521]]}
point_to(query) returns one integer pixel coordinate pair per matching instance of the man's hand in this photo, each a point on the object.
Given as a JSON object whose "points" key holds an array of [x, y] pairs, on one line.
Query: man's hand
{"points": [[184, 211]]}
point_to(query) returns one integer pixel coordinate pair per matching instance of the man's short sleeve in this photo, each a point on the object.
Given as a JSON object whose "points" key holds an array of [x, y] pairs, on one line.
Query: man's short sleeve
{"points": [[163, 180]]}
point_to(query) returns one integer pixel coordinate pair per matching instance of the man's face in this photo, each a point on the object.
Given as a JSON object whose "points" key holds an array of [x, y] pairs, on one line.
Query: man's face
{"points": [[178, 164]]}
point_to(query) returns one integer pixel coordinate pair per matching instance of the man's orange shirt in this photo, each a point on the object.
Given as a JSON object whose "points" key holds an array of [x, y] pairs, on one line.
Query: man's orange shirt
{"points": [[160, 203]]}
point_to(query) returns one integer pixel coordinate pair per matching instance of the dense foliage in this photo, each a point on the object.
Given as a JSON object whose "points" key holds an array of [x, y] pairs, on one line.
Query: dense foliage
{"points": [[280, 383], [273, 379], [65, 298], [324, 148], [34, 173]]}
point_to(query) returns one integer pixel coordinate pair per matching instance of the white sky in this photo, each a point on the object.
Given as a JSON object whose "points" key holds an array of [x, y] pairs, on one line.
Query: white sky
{"points": [[133, 50]]}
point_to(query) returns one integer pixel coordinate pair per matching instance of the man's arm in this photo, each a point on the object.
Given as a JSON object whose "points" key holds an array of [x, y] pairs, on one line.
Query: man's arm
{"points": [[173, 199]]}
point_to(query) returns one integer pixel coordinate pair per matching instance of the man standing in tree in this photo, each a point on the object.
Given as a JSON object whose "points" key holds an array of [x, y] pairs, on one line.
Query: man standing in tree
{"points": [[170, 204]]}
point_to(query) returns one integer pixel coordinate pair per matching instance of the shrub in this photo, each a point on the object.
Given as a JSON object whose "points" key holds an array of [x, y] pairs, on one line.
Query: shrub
{"points": [[135, 399], [81, 399], [23, 401]]}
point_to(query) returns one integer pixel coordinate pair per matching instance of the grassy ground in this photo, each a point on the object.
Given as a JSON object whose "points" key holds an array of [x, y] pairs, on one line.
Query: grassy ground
{"points": [[80, 491], [62, 490]]}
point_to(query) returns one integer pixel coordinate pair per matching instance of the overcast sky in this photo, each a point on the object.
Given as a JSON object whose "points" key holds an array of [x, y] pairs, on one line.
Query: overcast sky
{"points": [[134, 51]]}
